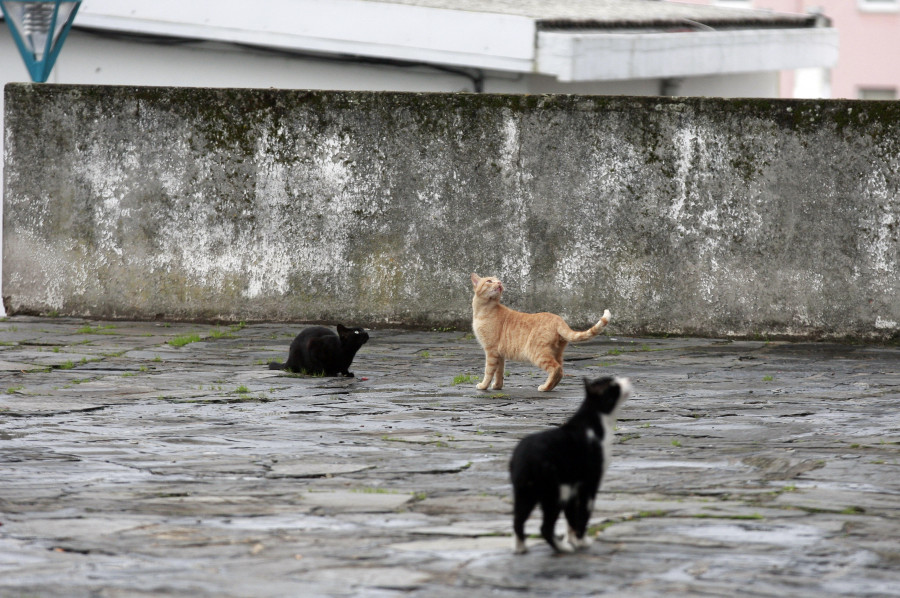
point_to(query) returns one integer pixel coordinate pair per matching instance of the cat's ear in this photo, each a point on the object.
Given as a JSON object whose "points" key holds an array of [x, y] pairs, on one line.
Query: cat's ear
{"points": [[341, 329], [475, 279]]}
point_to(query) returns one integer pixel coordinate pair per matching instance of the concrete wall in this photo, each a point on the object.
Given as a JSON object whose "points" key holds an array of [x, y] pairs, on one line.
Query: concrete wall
{"points": [[682, 216]]}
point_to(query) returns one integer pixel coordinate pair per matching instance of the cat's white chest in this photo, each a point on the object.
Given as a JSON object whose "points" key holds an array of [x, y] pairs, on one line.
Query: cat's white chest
{"points": [[480, 328]]}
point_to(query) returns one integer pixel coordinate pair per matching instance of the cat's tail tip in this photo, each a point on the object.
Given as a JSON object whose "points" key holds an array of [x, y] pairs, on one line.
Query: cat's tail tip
{"points": [[573, 336], [604, 320], [274, 365]]}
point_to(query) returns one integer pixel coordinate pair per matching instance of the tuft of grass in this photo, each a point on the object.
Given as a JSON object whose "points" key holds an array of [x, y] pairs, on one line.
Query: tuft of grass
{"points": [[374, 490], [464, 379], [424, 354], [752, 517], [97, 330], [13, 389], [768, 378], [67, 365], [645, 514], [676, 443], [180, 341], [317, 374], [596, 529], [157, 359], [241, 390], [614, 352]]}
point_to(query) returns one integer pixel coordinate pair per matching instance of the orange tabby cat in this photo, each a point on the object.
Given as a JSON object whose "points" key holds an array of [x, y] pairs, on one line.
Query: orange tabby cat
{"points": [[505, 333]]}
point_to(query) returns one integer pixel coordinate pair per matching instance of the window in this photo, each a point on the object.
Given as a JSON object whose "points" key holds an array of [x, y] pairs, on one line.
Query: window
{"points": [[879, 5], [875, 93]]}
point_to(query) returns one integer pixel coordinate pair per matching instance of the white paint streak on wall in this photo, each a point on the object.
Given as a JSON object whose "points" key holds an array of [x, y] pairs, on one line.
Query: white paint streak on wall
{"points": [[509, 158], [593, 240], [684, 141], [515, 261], [879, 239], [268, 251], [885, 324]]}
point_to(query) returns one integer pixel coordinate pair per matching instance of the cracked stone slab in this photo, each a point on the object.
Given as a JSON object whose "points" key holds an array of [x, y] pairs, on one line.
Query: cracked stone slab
{"points": [[361, 501], [22, 406], [19, 366]]}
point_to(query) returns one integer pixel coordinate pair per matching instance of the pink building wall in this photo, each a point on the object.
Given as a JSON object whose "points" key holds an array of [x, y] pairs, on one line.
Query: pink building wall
{"points": [[869, 55]]}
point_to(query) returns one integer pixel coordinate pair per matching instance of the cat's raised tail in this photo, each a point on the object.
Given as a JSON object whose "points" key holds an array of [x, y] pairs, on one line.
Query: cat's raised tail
{"points": [[573, 337]]}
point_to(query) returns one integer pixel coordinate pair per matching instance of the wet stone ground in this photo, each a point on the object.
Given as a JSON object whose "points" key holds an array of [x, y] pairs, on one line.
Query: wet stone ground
{"points": [[130, 466]]}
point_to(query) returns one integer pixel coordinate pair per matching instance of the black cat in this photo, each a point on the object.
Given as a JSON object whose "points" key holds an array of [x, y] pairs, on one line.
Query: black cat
{"points": [[561, 468], [318, 350]]}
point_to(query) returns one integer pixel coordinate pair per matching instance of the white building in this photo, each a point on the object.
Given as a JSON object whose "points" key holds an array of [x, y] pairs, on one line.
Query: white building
{"points": [[636, 47], [516, 46]]}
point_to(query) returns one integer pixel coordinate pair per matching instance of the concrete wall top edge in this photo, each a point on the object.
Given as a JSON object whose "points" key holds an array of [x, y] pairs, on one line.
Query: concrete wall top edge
{"points": [[14, 90]]}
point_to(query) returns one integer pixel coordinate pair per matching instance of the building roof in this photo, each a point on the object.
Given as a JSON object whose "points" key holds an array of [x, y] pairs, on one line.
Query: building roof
{"points": [[572, 40], [607, 14]]}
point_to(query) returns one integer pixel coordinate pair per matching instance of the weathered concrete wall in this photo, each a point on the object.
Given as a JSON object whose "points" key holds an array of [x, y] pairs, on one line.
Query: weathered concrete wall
{"points": [[682, 216]]}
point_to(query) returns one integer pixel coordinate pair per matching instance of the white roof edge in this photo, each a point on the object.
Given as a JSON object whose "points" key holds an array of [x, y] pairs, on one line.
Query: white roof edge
{"points": [[358, 27], [614, 56]]}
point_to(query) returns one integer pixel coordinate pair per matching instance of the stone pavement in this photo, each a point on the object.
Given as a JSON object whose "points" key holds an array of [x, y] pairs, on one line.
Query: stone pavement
{"points": [[133, 467]]}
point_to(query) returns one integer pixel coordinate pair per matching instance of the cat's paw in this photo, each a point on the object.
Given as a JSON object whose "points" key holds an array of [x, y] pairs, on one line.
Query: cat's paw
{"points": [[481, 385], [520, 546], [579, 543], [561, 545], [497, 386]]}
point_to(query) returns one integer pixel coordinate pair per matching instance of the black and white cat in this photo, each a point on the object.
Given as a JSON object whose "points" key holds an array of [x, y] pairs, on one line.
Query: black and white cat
{"points": [[561, 469], [320, 351]]}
